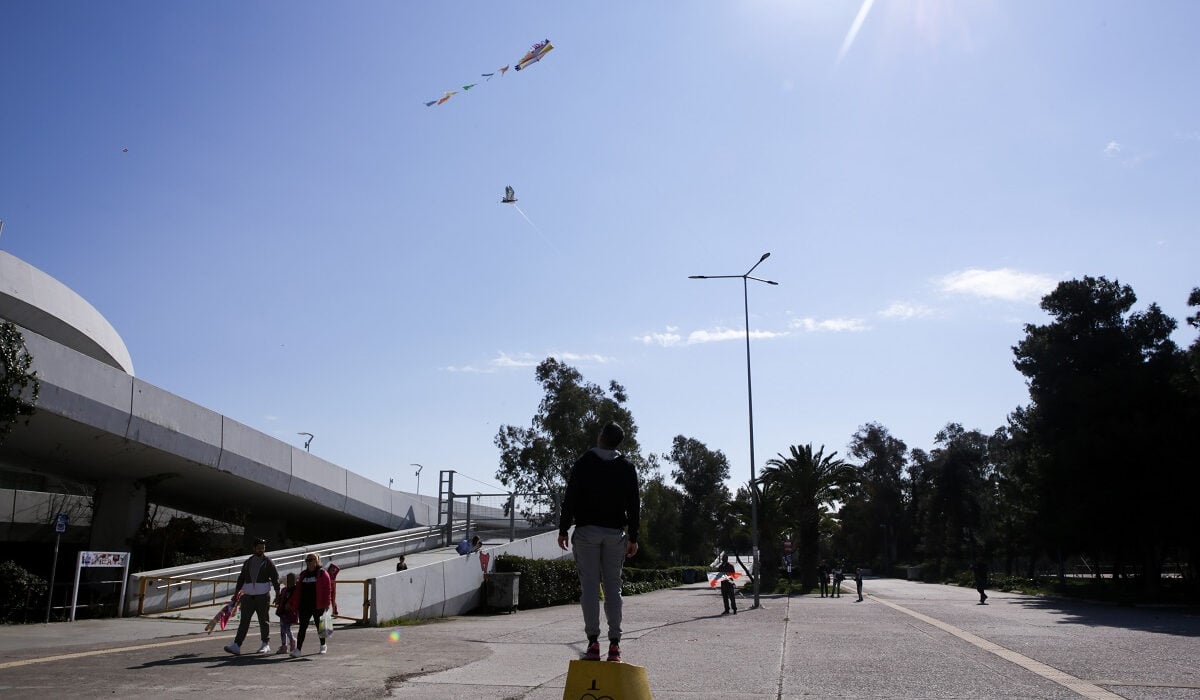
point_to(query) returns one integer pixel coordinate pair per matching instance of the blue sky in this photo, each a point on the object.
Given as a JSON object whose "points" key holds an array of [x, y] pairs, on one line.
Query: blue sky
{"points": [[294, 240]]}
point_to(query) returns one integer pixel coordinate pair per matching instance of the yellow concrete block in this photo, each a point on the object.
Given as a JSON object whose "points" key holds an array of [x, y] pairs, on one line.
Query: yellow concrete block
{"points": [[601, 680]]}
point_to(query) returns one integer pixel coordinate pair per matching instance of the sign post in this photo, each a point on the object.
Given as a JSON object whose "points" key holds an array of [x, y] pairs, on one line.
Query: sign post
{"points": [[60, 526], [105, 559]]}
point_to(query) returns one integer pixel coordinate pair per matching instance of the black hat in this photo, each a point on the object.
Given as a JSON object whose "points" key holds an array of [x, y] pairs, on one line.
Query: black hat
{"points": [[259, 540]]}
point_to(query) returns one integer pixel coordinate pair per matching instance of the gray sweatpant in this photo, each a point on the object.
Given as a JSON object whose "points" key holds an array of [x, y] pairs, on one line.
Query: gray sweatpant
{"points": [[599, 556]]}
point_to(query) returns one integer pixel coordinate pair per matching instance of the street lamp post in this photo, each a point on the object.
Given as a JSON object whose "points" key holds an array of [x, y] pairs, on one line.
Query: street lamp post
{"points": [[419, 468], [750, 399]]}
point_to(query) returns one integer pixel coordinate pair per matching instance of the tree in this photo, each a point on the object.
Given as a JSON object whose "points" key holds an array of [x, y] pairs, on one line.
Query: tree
{"points": [[537, 460], [1106, 424], [952, 494], [801, 486], [19, 385], [659, 542], [701, 474], [881, 474]]}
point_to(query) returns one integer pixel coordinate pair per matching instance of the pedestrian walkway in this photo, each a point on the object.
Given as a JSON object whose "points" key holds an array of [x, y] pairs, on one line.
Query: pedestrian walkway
{"points": [[906, 640]]}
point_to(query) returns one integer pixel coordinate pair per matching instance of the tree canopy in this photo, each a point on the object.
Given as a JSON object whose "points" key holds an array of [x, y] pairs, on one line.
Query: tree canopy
{"points": [[537, 460]]}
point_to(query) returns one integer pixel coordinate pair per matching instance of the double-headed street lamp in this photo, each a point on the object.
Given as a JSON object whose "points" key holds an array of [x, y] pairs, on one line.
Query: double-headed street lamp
{"points": [[750, 398]]}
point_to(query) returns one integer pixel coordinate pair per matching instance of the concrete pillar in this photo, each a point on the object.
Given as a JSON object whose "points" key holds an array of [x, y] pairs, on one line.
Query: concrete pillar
{"points": [[117, 515]]}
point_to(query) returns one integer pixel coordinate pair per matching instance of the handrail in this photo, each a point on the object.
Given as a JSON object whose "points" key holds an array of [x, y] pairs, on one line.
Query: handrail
{"points": [[191, 582]]}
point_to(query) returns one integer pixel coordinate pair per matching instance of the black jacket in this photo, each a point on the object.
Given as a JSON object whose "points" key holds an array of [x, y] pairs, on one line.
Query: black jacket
{"points": [[602, 492]]}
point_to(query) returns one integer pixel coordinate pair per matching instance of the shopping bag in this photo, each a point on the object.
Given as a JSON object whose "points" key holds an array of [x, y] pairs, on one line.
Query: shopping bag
{"points": [[325, 624]]}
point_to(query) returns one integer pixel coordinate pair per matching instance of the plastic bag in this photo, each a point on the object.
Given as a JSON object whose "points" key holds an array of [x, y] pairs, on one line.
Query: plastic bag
{"points": [[325, 624]]}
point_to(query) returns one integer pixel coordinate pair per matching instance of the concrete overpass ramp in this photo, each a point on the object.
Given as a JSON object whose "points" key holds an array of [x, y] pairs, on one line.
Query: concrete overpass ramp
{"points": [[136, 442]]}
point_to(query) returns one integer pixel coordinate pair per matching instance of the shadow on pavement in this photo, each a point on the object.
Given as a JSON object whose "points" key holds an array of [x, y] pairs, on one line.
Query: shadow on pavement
{"points": [[1181, 621]]}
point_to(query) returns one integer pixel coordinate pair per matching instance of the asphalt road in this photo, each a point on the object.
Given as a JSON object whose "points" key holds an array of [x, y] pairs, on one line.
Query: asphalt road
{"points": [[906, 640]]}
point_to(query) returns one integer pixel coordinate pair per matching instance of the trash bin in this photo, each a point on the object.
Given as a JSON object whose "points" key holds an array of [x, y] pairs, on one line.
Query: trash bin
{"points": [[503, 591]]}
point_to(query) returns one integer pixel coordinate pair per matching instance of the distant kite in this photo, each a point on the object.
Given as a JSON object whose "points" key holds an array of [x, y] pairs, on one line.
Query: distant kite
{"points": [[489, 75], [535, 54], [124, 150], [510, 197]]}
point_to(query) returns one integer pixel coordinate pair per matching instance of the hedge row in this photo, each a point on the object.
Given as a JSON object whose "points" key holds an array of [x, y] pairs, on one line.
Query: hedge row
{"points": [[545, 583]]}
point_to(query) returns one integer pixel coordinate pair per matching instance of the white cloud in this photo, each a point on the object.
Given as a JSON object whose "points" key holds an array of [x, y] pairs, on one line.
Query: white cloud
{"points": [[832, 325], [576, 357], [504, 360], [1003, 284], [666, 339], [672, 337], [1112, 150], [904, 310], [720, 334]]}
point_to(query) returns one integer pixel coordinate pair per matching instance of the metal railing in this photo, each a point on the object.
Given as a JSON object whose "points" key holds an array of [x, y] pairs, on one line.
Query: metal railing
{"points": [[216, 598]]}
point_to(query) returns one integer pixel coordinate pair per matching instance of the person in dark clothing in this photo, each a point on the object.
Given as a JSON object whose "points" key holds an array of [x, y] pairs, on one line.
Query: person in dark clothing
{"points": [[728, 591], [257, 578], [603, 502], [314, 598], [837, 582], [823, 578], [401, 565], [858, 582], [981, 579]]}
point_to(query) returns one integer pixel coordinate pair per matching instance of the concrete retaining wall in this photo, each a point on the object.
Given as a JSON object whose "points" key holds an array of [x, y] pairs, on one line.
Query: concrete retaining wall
{"points": [[451, 587]]}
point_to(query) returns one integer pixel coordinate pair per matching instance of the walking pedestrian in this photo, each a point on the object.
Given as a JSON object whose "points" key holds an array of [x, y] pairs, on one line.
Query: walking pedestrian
{"points": [[313, 600], [837, 582], [602, 502], [287, 616], [858, 582], [981, 580], [823, 578], [255, 581]]}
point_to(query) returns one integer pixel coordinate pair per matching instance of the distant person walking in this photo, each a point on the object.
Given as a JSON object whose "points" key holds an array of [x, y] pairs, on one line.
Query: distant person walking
{"points": [[257, 578], [823, 578], [315, 597], [981, 580], [858, 582], [728, 591], [602, 502], [837, 582]]}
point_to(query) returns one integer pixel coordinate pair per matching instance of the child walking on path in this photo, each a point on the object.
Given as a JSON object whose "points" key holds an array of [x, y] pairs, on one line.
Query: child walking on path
{"points": [[287, 615]]}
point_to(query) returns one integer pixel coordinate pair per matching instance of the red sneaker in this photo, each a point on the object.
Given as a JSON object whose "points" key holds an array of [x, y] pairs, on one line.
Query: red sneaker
{"points": [[593, 652], [614, 652]]}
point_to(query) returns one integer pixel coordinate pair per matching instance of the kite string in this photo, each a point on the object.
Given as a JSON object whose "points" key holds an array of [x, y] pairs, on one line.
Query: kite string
{"points": [[535, 227]]}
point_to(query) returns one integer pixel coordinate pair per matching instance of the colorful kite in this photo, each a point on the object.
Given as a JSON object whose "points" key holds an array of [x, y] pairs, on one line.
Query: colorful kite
{"points": [[223, 615], [534, 55], [715, 579]]}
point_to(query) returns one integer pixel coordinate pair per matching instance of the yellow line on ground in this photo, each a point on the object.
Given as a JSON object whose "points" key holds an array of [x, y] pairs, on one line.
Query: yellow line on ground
{"points": [[101, 652], [1084, 688]]}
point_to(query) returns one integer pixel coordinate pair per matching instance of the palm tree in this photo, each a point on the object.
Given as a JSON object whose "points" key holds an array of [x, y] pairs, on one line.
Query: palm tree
{"points": [[801, 486]]}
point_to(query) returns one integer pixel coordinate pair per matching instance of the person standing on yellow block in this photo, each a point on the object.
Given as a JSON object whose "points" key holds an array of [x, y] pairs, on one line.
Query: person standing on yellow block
{"points": [[602, 502]]}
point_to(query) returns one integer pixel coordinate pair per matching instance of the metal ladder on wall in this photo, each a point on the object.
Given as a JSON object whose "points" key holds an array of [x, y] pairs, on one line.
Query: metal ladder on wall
{"points": [[446, 504]]}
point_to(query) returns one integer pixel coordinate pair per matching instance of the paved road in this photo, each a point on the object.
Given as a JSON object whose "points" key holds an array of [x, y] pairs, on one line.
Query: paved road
{"points": [[906, 640]]}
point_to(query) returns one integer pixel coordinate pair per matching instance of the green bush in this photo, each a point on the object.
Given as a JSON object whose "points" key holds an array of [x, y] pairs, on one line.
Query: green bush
{"points": [[545, 583], [19, 590]]}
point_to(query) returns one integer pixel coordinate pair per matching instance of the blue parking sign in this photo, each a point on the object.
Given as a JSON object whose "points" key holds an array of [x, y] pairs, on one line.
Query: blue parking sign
{"points": [[60, 523]]}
